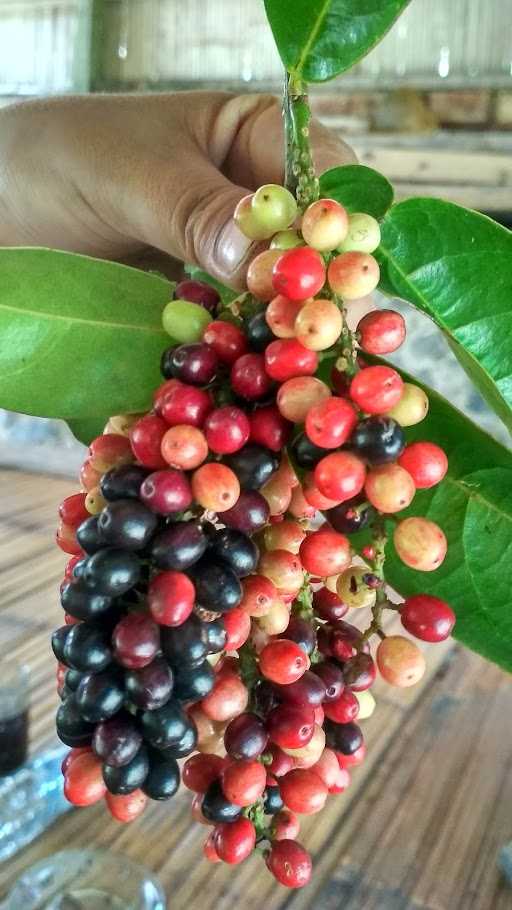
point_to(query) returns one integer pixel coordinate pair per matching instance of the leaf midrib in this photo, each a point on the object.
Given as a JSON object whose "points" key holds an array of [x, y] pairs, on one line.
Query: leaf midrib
{"points": [[102, 323], [297, 70]]}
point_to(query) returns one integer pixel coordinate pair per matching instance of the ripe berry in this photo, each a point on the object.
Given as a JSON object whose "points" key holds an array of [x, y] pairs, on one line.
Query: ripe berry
{"points": [[100, 695], [249, 378], [389, 488], [178, 547], [285, 826], [412, 407], [363, 234], [253, 465], [215, 487], [269, 428], [109, 451], [128, 807], [297, 396], [227, 430], [129, 777], [236, 550], [238, 628], [305, 453], [171, 598], [376, 390], [166, 726], [400, 661], [353, 760], [258, 332], [217, 586], [200, 770], [381, 332], [245, 737], [117, 740], [196, 364], [344, 709], [350, 516], [127, 524], [234, 841], [124, 482], [85, 648], [330, 423], [340, 476], [425, 462], [72, 510], [303, 791], [185, 644], [184, 447], [324, 225], [353, 275], [344, 738], [420, 544], [227, 700], [359, 672], [378, 440], [273, 801], [227, 340], [325, 552], [197, 292], [216, 808], [309, 690], [166, 492], [259, 274], [290, 726], [150, 687], [299, 273], [302, 633], [427, 617], [83, 783], [318, 324], [289, 863], [249, 514], [353, 589], [80, 602], [185, 404], [283, 661], [136, 641], [287, 358], [243, 781], [327, 605], [280, 316]]}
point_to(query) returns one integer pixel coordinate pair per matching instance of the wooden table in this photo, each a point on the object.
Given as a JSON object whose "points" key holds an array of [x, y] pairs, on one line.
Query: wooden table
{"points": [[419, 828]]}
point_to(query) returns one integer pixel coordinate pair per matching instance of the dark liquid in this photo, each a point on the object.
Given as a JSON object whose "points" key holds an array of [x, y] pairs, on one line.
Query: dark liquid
{"points": [[13, 742]]}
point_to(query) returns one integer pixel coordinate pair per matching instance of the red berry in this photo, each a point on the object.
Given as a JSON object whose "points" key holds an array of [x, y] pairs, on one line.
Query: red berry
{"points": [[227, 430], [427, 617], [359, 672], [109, 451], [184, 447], [340, 476], [344, 709], [281, 314], [72, 510], [136, 640], [351, 761], [227, 340], [281, 762], [283, 661], [328, 606], [146, 440], [259, 594], [171, 598], [269, 428], [237, 624], [245, 737], [126, 808], [89, 477], [299, 273], [73, 753], [303, 791], [200, 770], [290, 726], [332, 678], [381, 332], [197, 292], [249, 378], [160, 394], [166, 492], [330, 423], [325, 552], [425, 462], [185, 404], [243, 782], [65, 539], [215, 487], [327, 768], [343, 779], [234, 841], [309, 690], [209, 850], [285, 825], [83, 783], [227, 699], [287, 358], [376, 390], [290, 863]]}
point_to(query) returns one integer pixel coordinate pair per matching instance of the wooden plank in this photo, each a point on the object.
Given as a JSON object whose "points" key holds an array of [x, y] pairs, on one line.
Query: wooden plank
{"points": [[439, 166]]}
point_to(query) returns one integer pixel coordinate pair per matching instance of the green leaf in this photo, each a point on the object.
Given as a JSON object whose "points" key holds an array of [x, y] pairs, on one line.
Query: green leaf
{"points": [[79, 335], [319, 39], [456, 266], [227, 295], [358, 188], [87, 429], [473, 505]]}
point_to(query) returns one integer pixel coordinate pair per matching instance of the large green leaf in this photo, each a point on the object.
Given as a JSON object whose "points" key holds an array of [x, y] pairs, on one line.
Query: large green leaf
{"points": [[358, 188], [87, 429], [319, 39], [456, 265], [473, 505], [80, 336]]}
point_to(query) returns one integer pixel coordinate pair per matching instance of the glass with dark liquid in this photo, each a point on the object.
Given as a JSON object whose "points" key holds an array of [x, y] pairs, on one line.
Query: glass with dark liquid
{"points": [[14, 704]]}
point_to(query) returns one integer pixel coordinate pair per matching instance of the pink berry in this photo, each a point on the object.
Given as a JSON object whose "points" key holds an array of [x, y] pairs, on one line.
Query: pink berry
{"points": [[299, 273], [227, 430], [281, 314], [330, 423], [400, 661], [215, 487], [297, 396], [389, 488], [376, 390], [425, 462], [325, 225], [420, 544], [427, 617], [340, 476], [243, 781], [260, 275], [184, 447], [136, 640], [353, 275], [227, 340], [381, 332], [325, 552]]}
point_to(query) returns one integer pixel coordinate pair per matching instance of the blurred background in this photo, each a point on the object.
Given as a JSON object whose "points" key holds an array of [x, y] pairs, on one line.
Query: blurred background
{"points": [[430, 107]]}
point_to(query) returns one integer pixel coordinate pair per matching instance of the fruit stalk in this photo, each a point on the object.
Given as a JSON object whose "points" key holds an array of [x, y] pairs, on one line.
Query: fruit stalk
{"points": [[300, 177]]}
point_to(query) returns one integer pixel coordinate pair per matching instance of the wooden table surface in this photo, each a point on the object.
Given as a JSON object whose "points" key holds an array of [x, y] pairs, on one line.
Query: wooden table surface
{"points": [[419, 828]]}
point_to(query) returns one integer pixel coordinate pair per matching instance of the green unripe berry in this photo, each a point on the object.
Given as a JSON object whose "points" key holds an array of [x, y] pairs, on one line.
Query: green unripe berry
{"points": [[185, 322], [366, 704], [286, 240], [246, 221], [363, 234], [273, 208]]}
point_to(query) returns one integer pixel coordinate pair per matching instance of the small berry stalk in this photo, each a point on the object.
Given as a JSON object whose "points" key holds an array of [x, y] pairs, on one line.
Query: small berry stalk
{"points": [[211, 585]]}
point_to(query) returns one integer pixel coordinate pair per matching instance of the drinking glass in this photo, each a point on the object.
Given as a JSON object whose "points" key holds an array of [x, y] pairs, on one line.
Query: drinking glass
{"points": [[14, 705]]}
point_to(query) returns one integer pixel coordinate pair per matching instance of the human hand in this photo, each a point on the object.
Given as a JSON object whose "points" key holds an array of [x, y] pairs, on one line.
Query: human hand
{"points": [[120, 176]]}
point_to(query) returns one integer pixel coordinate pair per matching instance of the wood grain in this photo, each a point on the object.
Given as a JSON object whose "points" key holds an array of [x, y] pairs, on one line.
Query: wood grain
{"points": [[418, 829]]}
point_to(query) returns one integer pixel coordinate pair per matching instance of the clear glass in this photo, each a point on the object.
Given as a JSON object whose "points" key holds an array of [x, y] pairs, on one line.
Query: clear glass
{"points": [[86, 880], [14, 706]]}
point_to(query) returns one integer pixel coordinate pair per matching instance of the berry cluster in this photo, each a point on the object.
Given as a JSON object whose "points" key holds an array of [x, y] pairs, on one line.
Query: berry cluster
{"points": [[211, 566]]}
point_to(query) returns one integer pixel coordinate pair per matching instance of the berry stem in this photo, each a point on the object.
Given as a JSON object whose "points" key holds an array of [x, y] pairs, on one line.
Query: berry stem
{"points": [[300, 177], [379, 541]]}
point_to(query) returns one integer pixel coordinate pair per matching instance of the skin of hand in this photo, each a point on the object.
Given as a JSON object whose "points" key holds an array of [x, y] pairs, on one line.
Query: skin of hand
{"points": [[124, 176]]}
